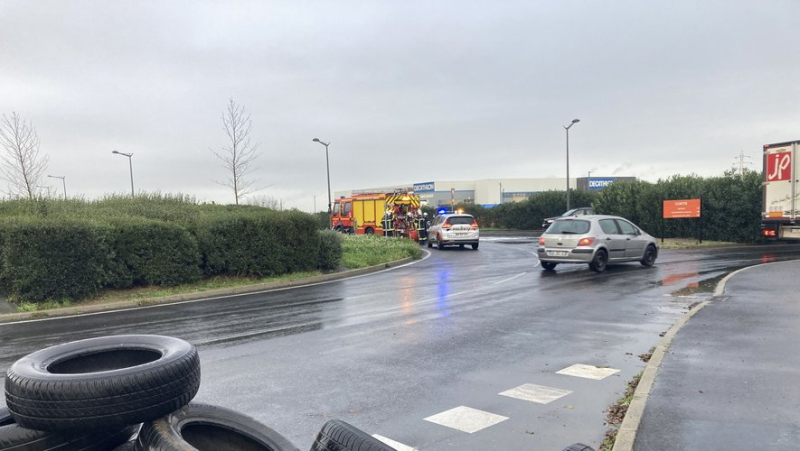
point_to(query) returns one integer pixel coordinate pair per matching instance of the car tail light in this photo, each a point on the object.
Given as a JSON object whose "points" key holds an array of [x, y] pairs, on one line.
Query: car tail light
{"points": [[474, 225], [541, 241], [769, 233], [446, 225], [586, 241]]}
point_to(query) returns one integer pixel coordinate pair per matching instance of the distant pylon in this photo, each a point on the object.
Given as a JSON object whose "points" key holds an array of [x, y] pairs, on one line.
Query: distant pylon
{"points": [[740, 162]]}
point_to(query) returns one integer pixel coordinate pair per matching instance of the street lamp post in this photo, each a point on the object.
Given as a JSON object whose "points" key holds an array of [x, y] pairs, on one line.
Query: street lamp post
{"points": [[130, 164], [328, 171], [63, 181], [567, 127]]}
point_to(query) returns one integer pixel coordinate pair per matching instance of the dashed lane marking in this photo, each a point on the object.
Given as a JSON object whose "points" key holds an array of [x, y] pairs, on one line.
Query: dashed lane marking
{"points": [[466, 419], [588, 371], [394, 444], [536, 393], [509, 279]]}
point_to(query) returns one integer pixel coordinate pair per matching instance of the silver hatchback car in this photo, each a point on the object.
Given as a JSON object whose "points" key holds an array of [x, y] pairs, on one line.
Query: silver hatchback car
{"points": [[597, 240]]}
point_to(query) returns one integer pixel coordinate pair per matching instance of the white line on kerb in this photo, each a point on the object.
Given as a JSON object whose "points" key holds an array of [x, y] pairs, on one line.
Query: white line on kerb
{"points": [[509, 279]]}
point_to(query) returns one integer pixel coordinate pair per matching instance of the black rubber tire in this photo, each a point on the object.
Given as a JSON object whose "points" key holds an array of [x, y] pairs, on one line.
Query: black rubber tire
{"points": [[578, 447], [206, 427], [102, 383], [15, 437], [127, 446], [549, 266], [369, 231], [599, 262], [336, 435], [474, 246], [650, 255]]}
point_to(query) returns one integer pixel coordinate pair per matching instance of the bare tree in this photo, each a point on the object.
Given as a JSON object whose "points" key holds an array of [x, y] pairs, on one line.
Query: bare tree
{"points": [[262, 200], [20, 162], [239, 153]]}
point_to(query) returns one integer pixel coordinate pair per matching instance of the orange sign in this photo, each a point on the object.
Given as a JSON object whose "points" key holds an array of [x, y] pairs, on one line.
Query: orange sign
{"points": [[683, 208]]}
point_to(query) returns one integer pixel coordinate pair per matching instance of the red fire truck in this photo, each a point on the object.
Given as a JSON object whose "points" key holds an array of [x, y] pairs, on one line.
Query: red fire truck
{"points": [[366, 214]]}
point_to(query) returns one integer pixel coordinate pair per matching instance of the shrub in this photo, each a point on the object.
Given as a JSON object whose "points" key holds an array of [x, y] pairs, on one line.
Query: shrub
{"points": [[148, 252], [329, 256], [53, 258], [256, 242]]}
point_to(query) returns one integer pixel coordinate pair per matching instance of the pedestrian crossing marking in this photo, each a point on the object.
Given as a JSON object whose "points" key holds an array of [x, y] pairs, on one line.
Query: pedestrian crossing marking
{"points": [[536, 393], [588, 371], [466, 419], [394, 444]]}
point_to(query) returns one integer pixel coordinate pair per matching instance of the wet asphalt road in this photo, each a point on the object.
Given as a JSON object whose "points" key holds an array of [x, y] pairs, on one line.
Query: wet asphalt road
{"points": [[384, 351]]}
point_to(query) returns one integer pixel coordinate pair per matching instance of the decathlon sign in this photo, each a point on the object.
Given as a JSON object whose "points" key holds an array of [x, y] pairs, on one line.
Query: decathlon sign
{"points": [[424, 187], [598, 184]]}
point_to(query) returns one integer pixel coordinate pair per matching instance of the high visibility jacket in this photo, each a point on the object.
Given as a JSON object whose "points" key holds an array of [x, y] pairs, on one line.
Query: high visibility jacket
{"points": [[388, 225]]}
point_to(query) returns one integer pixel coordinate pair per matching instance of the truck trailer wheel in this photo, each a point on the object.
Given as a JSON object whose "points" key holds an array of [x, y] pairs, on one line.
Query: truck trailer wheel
{"points": [[102, 383]]}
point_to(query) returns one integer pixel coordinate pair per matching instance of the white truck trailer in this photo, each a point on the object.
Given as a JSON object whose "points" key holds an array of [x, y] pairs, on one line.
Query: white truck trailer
{"points": [[780, 218]]}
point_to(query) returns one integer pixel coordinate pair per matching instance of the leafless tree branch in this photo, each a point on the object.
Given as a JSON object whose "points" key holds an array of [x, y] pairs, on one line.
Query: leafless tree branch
{"points": [[239, 153], [20, 162]]}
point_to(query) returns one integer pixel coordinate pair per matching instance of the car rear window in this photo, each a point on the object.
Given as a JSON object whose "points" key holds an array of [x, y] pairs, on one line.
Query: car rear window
{"points": [[571, 226], [458, 220]]}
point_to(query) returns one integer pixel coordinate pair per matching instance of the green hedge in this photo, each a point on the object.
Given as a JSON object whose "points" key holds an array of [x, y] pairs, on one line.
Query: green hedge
{"points": [[263, 243], [69, 249], [148, 252], [731, 205], [53, 259], [330, 250]]}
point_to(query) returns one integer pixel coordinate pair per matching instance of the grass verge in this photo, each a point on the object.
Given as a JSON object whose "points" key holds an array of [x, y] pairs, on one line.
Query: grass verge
{"points": [[361, 251], [687, 243], [616, 413]]}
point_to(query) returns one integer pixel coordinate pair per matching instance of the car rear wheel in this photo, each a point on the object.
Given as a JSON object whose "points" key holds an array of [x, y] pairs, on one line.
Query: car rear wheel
{"points": [[649, 256], [548, 266], [599, 262], [475, 246], [369, 231]]}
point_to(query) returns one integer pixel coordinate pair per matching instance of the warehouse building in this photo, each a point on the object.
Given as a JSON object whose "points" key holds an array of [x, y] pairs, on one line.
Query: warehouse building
{"points": [[487, 192]]}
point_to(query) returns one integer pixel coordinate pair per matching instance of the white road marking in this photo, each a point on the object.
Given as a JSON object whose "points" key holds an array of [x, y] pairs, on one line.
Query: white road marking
{"points": [[396, 445], [536, 393], [509, 279], [466, 419], [588, 371]]}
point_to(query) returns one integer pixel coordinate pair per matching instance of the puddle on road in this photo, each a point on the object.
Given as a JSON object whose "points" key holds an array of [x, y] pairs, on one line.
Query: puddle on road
{"points": [[705, 286]]}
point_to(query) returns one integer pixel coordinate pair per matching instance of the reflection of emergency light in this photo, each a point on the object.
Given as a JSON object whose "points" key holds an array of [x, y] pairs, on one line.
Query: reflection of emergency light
{"points": [[441, 211]]}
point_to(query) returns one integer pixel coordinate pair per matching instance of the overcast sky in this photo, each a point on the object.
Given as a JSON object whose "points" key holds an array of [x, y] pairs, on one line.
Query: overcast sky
{"points": [[405, 91]]}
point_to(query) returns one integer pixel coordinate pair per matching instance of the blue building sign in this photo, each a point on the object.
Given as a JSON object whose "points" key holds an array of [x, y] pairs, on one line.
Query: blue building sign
{"points": [[424, 187], [598, 184]]}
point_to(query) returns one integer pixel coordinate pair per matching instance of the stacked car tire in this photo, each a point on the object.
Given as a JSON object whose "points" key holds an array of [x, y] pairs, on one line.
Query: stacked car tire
{"points": [[133, 393]]}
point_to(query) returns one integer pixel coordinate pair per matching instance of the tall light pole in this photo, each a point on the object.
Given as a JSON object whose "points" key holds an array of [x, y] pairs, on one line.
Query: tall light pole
{"points": [[328, 171], [130, 164], [63, 181], [567, 127]]}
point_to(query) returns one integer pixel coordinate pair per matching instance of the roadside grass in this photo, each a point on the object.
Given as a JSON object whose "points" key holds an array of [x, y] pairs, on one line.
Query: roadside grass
{"points": [[359, 251], [616, 412], [690, 243]]}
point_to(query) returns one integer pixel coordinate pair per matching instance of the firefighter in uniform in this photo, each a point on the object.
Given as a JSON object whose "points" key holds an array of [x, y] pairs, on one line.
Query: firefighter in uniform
{"points": [[422, 228], [388, 224]]}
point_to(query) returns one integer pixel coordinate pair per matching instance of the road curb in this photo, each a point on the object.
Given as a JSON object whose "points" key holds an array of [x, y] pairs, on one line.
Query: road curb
{"points": [[220, 292], [633, 417]]}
